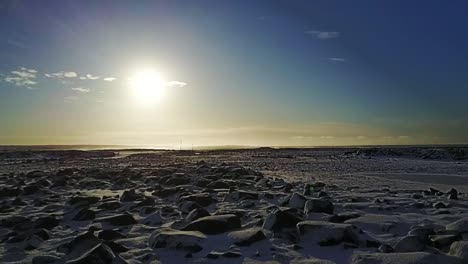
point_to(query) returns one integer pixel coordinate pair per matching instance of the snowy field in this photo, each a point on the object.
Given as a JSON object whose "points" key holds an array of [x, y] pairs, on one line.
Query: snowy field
{"points": [[327, 205]]}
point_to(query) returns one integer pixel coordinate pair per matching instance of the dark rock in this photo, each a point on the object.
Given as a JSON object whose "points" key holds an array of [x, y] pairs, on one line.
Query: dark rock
{"points": [[280, 219], [31, 189], [218, 185], [409, 244], [99, 254], [459, 249], [10, 192], [214, 224], [384, 248], [444, 241], [129, 196], [64, 172], [18, 202], [188, 206], [439, 205], [459, 225], [203, 199], [174, 181], [46, 222], [297, 201], [148, 201], [228, 254], [84, 215], [118, 220], [109, 205], [13, 220], [318, 206], [110, 235], [196, 214], [45, 259], [83, 200], [179, 240], [328, 234], [340, 218], [453, 194], [247, 237]]}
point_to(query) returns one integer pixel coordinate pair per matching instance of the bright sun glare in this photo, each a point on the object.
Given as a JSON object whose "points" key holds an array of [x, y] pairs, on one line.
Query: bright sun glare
{"points": [[148, 86]]}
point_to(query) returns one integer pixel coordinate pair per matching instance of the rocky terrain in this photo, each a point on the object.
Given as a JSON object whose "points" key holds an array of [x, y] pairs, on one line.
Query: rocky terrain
{"points": [[269, 206]]}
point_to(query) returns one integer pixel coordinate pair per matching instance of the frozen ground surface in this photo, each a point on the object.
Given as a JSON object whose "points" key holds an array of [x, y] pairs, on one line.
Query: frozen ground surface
{"points": [[381, 202]]}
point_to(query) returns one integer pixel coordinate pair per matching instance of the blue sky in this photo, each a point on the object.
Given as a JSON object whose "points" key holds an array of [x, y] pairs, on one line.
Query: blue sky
{"points": [[238, 72]]}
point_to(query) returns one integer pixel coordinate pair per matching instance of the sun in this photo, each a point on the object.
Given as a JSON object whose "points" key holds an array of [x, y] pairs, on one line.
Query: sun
{"points": [[148, 86]]}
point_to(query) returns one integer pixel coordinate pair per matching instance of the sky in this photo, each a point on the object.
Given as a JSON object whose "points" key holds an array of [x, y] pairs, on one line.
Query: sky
{"points": [[260, 73]]}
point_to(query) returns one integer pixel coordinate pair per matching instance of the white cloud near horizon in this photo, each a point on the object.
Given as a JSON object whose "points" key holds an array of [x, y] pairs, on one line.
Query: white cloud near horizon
{"points": [[23, 77], [109, 79], [323, 34], [81, 90]]}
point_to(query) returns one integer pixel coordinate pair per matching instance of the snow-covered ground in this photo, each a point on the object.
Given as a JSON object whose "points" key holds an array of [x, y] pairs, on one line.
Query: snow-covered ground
{"points": [[342, 205]]}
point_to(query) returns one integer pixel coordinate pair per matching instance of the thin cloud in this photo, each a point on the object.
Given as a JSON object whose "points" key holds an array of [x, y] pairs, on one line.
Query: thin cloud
{"points": [[23, 77], [109, 79], [81, 90], [61, 75], [176, 84], [323, 34], [337, 59]]}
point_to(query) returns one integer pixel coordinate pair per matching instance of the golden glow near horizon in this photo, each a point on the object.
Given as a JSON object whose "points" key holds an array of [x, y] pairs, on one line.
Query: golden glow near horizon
{"points": [[147, 86]]}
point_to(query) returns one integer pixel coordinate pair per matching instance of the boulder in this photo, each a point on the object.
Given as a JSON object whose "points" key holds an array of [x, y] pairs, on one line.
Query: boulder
{"points": [[247, 237], [196, 214], [218, 185], [84, 215], [460, 225], [402, 258], [459, 249], [254, 261], [153, 219], [129, 196], [110, 235], [83, 200], [409, 244], [297, 201], [118, 220], [318, 206], [328, 234], [203, 199], [278, 220], [311, 261], [214, 224], [444, 241], [178, 240]]}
